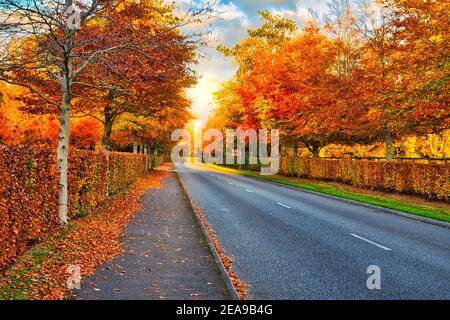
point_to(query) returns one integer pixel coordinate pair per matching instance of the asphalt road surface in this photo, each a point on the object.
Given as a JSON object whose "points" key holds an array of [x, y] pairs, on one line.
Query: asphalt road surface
{"points": [[293, 244]]}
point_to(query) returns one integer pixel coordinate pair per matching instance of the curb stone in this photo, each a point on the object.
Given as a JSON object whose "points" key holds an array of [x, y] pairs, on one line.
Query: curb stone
{"points": [[223, 271]]}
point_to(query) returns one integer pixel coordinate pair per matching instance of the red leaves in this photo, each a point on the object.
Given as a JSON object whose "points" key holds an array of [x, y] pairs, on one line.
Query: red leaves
{"points": [[28, 191], [27, 199], [87, 243], [428, 180]]}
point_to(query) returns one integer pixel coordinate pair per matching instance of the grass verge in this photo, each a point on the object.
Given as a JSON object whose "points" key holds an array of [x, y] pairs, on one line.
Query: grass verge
{"points": [[416, 207]]}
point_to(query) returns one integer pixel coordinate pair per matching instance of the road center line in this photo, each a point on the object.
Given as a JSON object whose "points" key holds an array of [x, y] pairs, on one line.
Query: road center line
{"points": [[371, 242], [283, 205]]}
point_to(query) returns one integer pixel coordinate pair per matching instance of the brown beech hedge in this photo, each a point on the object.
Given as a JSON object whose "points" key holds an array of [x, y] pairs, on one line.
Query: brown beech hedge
{"points": [[28, 191], [425, 179]]}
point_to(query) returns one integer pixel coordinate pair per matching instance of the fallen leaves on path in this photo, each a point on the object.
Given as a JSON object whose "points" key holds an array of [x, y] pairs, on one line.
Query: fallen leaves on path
{"points": [[239, 286], [88, 242]]}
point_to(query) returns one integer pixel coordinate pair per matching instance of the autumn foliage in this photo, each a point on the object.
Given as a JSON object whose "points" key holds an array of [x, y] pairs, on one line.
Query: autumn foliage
{"points": [[41, 273], [28, 191], [367, 73], [27, 199], [424, 179]]}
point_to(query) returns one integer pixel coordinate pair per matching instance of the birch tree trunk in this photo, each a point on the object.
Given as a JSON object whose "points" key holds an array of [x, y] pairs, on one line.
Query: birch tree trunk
{"points": [[63, 152], [64, 127]]}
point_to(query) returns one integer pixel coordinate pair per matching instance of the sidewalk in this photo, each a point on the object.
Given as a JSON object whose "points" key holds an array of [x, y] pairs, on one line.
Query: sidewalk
{"points": [[165, 255]]}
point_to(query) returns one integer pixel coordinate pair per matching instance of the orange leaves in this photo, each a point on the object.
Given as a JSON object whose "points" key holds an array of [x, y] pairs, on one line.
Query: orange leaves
{"points": [[427, 180], [27, 198], [87, 243], [85, 134], [372, 73], [297, 88], [28, 189]]}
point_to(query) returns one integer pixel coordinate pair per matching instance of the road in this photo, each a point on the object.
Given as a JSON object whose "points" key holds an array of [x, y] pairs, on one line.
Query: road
{"points": [[293, 244]]}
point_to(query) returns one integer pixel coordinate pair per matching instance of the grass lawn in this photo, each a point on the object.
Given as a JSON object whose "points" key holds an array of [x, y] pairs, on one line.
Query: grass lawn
{"points": [[418, 207]]}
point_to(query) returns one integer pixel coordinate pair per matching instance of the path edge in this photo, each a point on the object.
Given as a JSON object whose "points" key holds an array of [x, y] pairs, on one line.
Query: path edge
{"points": [[229, 283]]}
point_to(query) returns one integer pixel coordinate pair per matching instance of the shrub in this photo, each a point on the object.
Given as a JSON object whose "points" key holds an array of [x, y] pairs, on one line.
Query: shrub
{"points": [[28, 201], [428, 180], [124, 169], [28, 191]]}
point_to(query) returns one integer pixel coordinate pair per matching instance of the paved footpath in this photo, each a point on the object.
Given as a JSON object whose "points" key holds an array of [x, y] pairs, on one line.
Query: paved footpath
{"points": [[166, 255]]}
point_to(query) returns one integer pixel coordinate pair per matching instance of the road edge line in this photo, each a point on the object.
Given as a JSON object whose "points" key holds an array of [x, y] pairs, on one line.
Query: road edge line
{"points": [[225, 275], [406, 215]]}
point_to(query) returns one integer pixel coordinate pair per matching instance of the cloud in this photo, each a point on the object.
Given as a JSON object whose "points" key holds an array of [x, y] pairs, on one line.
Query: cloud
{"points": [[229, 11], [228, 29]]}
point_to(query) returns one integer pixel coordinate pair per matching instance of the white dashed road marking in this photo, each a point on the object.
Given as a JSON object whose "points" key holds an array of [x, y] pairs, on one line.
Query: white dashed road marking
{"points": [[371, 242], [283, 205]]}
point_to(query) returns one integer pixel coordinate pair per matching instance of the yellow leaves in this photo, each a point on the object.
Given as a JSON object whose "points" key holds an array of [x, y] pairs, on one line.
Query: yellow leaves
{"points": [[425, 179], [436, 38]]}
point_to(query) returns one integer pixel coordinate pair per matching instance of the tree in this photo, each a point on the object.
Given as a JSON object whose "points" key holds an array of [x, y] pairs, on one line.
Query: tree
{"points": [[228, 113], [146, 80], [340, 24], [151, 133], [297, 89], [422, 61], [18, 127], [50, 48], [300, 97], [44, 46], [85, 134], [373, 20], [274, 31]]}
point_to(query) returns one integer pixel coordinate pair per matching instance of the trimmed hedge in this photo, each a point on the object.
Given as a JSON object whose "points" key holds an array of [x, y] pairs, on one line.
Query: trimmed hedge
{"points": [[125, 170], [28, 199], [425, 179], [28, 191]]}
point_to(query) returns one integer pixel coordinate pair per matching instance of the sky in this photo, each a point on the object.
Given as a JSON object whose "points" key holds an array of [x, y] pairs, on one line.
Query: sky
{"points": [[235, 17]]}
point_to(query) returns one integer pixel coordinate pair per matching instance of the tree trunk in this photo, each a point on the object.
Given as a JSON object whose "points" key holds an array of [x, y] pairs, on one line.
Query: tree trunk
{"points": [[149, 158], [315, 151], [135, 144], [388, 138], [155, 159], [142, 149], [314, 148], [107, 130], [63, 153], [62, 158]]}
